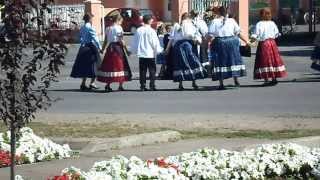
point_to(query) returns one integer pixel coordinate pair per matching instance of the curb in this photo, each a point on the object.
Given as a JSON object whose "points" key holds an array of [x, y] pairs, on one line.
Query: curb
{"points": [[311, 142], [101, 145]]}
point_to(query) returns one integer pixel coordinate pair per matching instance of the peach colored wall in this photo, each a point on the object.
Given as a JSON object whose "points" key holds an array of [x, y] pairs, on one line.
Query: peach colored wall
{"points": [[114, 3], [178, 8], [95, 7], [157, 7], [68, 2], [244, 17]]}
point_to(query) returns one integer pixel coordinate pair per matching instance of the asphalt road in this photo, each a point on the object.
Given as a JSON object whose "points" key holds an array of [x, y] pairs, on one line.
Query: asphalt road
{"points": [[297, 94]]}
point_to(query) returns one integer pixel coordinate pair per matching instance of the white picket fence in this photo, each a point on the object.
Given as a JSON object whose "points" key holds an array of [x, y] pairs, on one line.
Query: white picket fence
{"points": [[203, 5], [66, 16], [61, 17]]}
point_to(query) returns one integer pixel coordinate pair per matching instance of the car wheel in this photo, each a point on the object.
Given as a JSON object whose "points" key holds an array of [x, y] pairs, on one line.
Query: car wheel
{"points": [[133, 29]]}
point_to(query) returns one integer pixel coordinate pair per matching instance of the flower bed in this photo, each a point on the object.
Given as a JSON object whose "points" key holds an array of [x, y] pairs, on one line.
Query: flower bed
{"points": [[265, 162], [31, 149]]}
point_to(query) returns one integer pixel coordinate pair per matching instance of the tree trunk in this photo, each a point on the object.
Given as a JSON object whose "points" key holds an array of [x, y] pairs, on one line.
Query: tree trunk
{"points": [[13, 151], [13, 127]]}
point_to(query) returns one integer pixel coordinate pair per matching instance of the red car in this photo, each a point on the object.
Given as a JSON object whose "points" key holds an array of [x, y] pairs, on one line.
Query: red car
{"points": [[132, 18]]}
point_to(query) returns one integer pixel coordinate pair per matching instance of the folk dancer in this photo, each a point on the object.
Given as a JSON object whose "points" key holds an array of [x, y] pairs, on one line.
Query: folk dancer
{"points": [[146, 45], [268, 63], [88, 57], [186, 63], [225, 49], [115, 66]]}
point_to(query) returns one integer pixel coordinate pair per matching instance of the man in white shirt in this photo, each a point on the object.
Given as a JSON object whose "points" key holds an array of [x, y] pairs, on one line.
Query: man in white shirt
{"points": [[146, 45]]}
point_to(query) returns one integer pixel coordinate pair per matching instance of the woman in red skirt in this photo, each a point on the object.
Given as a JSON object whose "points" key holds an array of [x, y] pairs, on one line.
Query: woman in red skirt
{"points": [[268, 64], [115, 66]]}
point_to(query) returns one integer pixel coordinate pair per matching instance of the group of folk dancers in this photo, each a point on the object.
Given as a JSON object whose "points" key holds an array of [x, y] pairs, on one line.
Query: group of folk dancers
{"points": [[180, 49]]}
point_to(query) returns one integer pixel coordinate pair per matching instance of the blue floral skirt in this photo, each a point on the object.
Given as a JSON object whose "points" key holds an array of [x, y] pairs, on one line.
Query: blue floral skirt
{"points": [[186, 63], [226, 57]]}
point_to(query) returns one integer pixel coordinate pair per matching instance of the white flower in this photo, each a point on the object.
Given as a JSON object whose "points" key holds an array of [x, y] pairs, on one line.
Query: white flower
{"points": [[18, 177], [34, 148]]}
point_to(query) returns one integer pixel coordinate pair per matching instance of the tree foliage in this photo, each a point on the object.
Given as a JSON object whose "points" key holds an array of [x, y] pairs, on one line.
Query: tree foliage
{"points": [[29, 62]]}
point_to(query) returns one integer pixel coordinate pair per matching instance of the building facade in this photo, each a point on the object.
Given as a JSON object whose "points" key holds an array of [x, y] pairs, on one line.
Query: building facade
{"points": [[246, 11]]}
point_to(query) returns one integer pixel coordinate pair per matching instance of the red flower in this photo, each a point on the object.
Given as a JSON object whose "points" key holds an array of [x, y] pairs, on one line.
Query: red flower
{"points": [[63, 177], [163, 164], [5, 159]]}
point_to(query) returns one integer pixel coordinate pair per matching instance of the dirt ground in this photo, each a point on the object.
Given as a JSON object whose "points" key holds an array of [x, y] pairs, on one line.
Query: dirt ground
{"points": [[270, 122]]}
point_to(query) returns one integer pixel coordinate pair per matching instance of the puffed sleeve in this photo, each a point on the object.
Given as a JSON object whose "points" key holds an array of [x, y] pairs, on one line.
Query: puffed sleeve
{"points": [[212, 29], [203, 27], [275, 30], [156, 43], [237, 29], [174, 31], [120, 31], [94, 37], [134, 43], [257, 32]]}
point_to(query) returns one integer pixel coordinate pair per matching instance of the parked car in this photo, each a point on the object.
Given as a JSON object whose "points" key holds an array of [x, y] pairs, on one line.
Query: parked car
{"points": [[132, 18]]}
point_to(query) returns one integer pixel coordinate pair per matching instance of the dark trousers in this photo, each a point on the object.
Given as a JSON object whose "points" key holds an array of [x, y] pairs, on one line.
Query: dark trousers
{"points": [[144, 65]]}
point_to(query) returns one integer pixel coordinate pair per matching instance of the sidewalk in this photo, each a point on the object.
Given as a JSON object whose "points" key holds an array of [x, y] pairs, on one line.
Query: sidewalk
{"points": [[44, 170]]}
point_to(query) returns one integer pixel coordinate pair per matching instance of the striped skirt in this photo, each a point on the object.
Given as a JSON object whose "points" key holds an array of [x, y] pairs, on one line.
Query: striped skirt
{"points": [[186, 63], [115, 66], [268, 63], [226, 58]]}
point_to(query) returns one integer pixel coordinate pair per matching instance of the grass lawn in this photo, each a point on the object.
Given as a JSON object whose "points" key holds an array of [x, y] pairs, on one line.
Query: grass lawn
{"points": [[111, 130]]}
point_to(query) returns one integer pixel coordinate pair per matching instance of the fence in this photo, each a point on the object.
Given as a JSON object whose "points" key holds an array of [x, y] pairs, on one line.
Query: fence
{"points": [[66, 16], [203, 5]]}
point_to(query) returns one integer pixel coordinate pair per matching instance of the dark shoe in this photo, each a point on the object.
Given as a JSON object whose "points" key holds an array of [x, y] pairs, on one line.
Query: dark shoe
{"points": [[143, 89], [266, 83], [236, 84], [195, 86], [315, 66], [108, 89], [222, 87], [274, 83], [153, 89], [181, 88], [120, 88], [93, 87], [84, 88]]}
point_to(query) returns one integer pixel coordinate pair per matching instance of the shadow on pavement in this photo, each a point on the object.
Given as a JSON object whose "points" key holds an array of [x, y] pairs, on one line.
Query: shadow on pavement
{"points": [[298, 53], [201, 88]]}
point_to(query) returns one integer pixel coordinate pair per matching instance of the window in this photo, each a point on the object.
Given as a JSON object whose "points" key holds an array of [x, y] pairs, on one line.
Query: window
{"points": [[126, 13]]}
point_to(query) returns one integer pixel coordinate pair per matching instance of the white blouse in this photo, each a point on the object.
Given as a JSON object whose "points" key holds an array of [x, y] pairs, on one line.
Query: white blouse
{"points": [[186, 30], [176, 33], [266, 30], [229, 28], [202, 26], [114, 33]]}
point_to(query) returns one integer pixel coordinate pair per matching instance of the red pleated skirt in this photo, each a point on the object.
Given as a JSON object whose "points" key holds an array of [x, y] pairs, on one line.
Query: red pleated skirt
{"points": [[115, 66], [268, 63]]}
